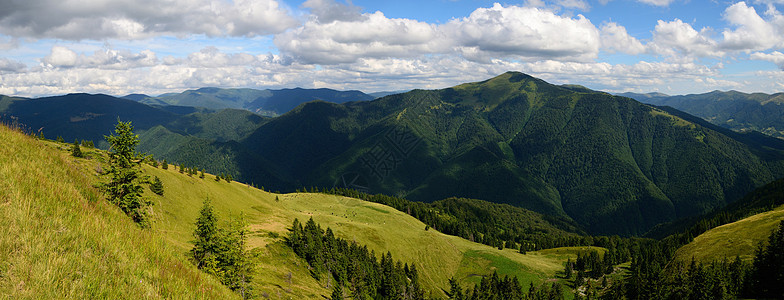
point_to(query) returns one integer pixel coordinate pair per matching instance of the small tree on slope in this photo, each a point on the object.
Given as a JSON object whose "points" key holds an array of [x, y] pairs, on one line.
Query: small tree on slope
{"points": [[124, 188]]}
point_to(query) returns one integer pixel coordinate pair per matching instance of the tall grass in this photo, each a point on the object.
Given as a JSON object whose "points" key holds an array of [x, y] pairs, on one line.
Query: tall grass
{"points": [[60, 239]]}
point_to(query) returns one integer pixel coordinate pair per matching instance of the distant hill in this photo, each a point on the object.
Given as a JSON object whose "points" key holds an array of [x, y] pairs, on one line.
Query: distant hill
{"points": [[377, 95], [732, 109], [265, 102]]}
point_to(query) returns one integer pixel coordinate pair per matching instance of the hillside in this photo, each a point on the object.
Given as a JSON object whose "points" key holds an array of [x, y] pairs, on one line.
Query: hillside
{"points": [[50, 201], [614, 165], [381, 228], [739, 238], [731, 109], [60, 239]]}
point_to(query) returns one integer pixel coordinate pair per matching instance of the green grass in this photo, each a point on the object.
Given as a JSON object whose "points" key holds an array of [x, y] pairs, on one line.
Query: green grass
{"points": [[381, 228], [60, 239], [734, 239]]}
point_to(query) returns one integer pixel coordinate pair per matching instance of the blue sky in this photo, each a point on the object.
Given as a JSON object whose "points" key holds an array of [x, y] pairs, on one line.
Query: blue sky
{"points": [[118, 47]]}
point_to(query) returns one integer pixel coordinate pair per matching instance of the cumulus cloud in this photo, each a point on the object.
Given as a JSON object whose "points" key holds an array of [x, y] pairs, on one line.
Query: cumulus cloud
{"points": [[497, 32], [775, 57], [615, 39], [523, 32], [7, 65], [372, 36], [752, 32], [133, 19], [675, 38], [62, 57]]}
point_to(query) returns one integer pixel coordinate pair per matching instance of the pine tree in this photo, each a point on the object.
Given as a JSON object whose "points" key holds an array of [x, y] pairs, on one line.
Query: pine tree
{"points": [[157, 186], [337, 292], [201, 175], [76, 151], [206, 246], [60, 139], [165, 165], [124, 187]]}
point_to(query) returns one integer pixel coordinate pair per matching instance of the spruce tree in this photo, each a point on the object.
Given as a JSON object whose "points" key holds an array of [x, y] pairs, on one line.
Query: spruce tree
{"points": [[164, 165], [157, 186], [76, 151], [206, 246], [201, 175], [124, 188], [337, 292]]}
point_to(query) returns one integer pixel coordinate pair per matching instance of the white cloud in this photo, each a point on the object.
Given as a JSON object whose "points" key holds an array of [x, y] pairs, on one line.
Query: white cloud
{"points": [[676, 38], [497, 32], [775, 57], [134, 19], [372, 36], [523, 33], [62, 57], [752, 32], [577, 4], [615, 39], [657, 2]]}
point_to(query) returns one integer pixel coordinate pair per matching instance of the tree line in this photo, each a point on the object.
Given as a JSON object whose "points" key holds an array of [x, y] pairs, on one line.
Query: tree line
{"points": [[351, 269]]}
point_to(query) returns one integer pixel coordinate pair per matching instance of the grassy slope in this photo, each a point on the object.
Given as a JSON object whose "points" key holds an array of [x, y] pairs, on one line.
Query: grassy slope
{"points": [[60, 239], [734, 239], [382, 228]]}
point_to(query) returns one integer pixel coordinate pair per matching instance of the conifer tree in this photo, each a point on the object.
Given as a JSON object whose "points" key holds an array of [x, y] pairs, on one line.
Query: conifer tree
{"points": [[201, 175], [76, 151], [337, 292], [124, 187], [157, 186], [60, 139], [164, 165]]}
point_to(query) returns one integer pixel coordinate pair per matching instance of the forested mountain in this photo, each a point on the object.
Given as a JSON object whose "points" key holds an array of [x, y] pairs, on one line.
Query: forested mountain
{"points": [[732, 109], [612, 164], [266, 102]]}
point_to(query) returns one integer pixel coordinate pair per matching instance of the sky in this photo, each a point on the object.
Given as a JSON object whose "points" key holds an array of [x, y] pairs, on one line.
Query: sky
{"points": [[119, 47]]}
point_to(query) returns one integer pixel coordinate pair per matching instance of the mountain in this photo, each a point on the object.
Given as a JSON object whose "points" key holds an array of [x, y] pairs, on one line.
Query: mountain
{"points": [[732, 109], [265, 102], [610, 163], [614, 165]]}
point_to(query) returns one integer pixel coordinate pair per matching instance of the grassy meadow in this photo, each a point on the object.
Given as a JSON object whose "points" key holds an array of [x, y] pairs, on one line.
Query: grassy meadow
{"points": [[739, 238]]}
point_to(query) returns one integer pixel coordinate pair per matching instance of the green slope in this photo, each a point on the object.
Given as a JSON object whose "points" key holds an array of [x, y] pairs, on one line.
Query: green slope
{"points": [[438, 256], [60, 239], [739, 238]]}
